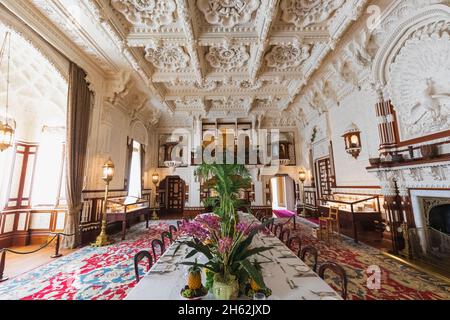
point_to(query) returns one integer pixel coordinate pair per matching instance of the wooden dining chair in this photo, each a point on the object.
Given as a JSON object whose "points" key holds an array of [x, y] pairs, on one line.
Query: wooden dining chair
{"points": [[278, 230], [333, 222], [311, 251], [138, 258], [292, 240], [285, 236], [179, 224], [339, 271], [173, 230], [160, 244], [167, 235]]}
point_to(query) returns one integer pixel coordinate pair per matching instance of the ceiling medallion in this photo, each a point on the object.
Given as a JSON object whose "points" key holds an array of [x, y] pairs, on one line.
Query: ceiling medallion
{"points": [[227, 58], [290, 56], [228, 13], [167, 58], [151, 13], [303, 13]]}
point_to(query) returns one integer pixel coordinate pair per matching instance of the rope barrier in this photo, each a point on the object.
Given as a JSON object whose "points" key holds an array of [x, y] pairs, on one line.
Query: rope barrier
{"points": [[3, 251]]}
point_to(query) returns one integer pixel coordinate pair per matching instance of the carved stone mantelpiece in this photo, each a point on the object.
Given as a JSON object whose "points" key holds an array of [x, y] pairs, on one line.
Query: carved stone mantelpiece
{"points": [[428, 176]]}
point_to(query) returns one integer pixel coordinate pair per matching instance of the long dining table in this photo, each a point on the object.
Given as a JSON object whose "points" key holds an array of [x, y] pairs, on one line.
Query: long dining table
{"points": [[284, 273]]}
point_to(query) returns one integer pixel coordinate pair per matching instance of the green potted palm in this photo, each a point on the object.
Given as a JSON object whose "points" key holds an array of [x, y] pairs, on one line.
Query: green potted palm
{"points": [[221, 237], [225, 180]]}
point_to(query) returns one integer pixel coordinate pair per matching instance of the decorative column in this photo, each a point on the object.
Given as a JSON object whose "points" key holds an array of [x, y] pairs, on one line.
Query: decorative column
{"points": [[408, 218], [386, 123], [393, 207]]}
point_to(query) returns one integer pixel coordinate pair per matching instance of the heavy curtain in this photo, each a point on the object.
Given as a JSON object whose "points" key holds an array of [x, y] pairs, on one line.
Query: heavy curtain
{"points": [[78, 117]]}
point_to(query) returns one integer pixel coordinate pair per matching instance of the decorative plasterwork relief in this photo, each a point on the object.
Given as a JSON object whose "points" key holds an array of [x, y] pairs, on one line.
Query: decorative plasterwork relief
{"points": [[190, 104], [151, 13], [419, 83], [232, 104], [362, 49], [168, 58], [287, 56], [228, 13], [432, 175], [227, 58], [303, 13]]}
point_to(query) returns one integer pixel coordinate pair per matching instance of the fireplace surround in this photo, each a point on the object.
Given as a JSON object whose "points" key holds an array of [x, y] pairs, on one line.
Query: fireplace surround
{"points": [[430, 238]]}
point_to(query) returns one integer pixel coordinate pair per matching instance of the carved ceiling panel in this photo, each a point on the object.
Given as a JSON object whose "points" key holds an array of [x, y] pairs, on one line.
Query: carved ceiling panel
{"points": [[215, 50], [303, 13], [228, 13]]}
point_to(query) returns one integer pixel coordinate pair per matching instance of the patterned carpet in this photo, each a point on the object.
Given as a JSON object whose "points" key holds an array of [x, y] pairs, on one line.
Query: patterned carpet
{"points": [[398, 281], [108, 273], [87, 274]]}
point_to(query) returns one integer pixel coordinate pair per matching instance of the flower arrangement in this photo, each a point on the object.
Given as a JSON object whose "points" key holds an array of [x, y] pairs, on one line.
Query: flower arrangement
{"points": [[228, 255], [221, 237]]}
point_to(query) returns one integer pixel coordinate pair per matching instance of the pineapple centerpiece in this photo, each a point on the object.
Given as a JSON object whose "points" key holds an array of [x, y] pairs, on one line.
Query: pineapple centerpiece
{"points": [[253, 287], [194, 288]]}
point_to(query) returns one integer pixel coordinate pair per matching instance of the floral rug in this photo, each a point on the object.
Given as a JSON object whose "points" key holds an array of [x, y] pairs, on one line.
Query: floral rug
{"points": [[88, 274], [397, 281], [108, 273]]}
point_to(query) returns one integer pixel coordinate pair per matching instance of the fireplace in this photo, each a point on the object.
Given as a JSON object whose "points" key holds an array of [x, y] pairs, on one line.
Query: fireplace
{"points": [[430, 240]]}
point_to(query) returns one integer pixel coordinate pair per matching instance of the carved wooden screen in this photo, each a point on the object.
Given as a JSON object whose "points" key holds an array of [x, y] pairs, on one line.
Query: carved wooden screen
{"points": [[325, 177], [172, 195], [175, 195]]}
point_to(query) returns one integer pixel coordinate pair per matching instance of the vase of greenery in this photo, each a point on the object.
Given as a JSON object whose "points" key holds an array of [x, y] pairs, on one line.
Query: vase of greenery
{"points": [[221, 237]]}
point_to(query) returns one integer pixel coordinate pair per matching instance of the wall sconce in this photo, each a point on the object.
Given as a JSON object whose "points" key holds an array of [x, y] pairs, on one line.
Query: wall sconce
{"points": [[352, 138]]}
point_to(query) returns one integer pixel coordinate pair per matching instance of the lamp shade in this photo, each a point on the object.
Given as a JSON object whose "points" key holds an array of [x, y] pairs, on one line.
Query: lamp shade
{"points": [[108, 171], [6, 136], [155, 178], [302, 175]]}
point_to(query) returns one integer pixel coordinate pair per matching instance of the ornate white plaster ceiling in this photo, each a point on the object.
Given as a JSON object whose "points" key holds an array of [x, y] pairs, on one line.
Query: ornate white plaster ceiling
{"points": [[38, 93], [210, 57]]}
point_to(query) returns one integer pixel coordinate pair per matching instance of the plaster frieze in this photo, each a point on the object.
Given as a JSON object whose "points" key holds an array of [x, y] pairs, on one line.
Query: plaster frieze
{"points": [[431, 175], [419, 84], [290, 56], [303, 13], [228, 13], [168, 58], [227, 58], [150, 13]]}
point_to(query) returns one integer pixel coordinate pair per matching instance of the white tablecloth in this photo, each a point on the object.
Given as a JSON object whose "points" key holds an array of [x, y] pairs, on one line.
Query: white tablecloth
{"points": [[158, 284]]}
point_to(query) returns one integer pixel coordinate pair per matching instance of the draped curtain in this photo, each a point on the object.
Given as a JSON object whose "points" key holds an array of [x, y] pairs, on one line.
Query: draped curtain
{"points": [[78, 117]]}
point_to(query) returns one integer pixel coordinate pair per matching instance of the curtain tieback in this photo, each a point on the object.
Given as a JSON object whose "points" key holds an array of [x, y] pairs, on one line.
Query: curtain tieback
{"points": [[75, 209]]}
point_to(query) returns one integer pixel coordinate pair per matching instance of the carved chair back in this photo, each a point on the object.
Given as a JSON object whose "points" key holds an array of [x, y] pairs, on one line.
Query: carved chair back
{"points": [[339, 271], [139, 257]]}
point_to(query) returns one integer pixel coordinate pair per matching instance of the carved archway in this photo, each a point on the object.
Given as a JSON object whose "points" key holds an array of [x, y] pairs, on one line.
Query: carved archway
{"points": [[56, 60]]}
